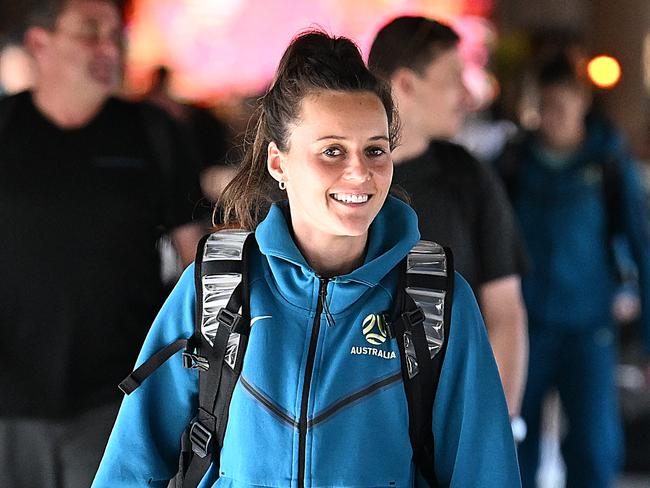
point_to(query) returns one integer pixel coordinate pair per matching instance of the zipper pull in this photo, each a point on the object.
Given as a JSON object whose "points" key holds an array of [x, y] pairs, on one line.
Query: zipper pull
{"points": [[323, 301]]}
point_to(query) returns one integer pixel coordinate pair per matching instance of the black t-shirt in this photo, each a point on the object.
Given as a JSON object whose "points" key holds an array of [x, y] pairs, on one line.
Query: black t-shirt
{"points": [[82, 211], [461, 204]]}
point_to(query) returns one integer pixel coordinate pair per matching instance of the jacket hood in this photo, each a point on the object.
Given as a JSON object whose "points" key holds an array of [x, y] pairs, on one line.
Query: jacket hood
{"points": [[391, 236]]}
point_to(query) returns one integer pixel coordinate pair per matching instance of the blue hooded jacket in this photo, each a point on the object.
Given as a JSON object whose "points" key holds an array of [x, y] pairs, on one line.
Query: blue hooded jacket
{"points": [[361, 443], [563, 213]]}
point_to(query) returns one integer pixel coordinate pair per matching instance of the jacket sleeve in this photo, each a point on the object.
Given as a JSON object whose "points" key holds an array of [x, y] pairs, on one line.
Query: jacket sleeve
{"points": [[471, 429], [635, 226], [144, 446]]}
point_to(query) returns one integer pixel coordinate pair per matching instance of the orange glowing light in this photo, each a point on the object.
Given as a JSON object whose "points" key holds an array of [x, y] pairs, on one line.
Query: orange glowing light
{"points": [[604, 71]]}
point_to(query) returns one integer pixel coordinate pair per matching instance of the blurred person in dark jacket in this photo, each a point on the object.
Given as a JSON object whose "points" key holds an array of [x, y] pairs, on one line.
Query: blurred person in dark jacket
{"points": [[207, 134], [459, 202], [575, 190], [88, 183]]}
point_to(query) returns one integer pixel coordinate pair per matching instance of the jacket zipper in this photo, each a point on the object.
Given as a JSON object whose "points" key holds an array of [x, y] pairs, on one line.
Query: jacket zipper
{"points": [[309, 369]]}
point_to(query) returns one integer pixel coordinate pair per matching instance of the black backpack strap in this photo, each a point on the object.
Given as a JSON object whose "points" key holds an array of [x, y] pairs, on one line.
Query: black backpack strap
{"points": [[220, 339], [133, 381], [190, 360], [421, 326], [613, 196]]}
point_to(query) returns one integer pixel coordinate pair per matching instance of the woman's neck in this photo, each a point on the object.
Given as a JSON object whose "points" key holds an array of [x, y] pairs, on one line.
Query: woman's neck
{"points": [[331, 255]]}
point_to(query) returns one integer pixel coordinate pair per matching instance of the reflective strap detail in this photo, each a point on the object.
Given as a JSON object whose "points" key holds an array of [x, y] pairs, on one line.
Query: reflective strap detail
{"points": [[426, 258], [225, 245], [411, 358]]}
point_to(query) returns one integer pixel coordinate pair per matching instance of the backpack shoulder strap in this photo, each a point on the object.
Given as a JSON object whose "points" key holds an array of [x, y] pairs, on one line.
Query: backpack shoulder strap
{"points": [[421, 325], [209, 265], [217, 348], [612, 188]]}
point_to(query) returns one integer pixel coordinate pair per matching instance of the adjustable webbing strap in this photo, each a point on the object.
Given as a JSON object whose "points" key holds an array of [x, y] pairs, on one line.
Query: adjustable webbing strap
{"points": [[190, 360], [221, 334], [133, 381], [421, 326]]}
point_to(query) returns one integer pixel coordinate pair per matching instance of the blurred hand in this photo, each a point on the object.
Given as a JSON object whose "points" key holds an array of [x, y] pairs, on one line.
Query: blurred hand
{"points": [[215, 179], [626, 307]]}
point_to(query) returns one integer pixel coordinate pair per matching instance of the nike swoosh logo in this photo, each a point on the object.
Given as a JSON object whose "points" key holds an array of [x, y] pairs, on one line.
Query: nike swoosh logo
{"points": [[255, 319]]}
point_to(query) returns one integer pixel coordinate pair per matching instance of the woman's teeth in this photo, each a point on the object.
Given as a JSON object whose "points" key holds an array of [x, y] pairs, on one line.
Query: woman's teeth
{"points": [[348, 198]]}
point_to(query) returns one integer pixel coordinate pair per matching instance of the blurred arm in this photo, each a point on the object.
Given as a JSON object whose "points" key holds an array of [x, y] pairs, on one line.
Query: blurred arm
{"points": [[186, 239], [505, 318], [471, 429], [636, 228]]}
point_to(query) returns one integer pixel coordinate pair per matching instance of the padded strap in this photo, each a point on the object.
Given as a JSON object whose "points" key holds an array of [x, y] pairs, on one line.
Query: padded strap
{"points": [[426, 275], [216, 384]]}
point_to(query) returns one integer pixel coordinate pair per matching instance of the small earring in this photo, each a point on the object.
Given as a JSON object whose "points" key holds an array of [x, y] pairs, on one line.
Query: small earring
{"points": [[282, 184]]}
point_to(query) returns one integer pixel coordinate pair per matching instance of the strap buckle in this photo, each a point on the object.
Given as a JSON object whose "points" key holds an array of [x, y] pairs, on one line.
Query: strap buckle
{"points": [[231, 320], [413, 318], [200, 438], [194, 361], [388, 326]]}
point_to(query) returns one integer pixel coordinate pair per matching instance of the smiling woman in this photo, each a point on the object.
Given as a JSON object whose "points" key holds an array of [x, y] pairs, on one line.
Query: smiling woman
{"points": [[306, 80], [325, 135], [336, 386], [336, 184]]}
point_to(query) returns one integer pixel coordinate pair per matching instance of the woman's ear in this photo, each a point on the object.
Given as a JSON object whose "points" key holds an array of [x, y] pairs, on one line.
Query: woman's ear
{"points": [[275, 162]]}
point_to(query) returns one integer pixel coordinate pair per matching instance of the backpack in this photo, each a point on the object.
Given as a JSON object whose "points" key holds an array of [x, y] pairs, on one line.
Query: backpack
{"points": [[419, 321]]}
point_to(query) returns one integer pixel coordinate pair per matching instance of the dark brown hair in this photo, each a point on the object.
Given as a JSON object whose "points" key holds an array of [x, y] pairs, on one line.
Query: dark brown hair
{"points": [[45, 13], [561, 70], [409, 42], [314, 61]]}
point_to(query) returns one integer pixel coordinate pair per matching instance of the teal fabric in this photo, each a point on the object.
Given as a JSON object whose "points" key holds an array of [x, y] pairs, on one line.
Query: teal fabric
{"points": [[562, 211], [363, 444]]}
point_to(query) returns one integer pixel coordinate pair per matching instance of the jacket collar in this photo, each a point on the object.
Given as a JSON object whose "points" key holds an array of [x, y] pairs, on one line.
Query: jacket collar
{"points": [[391, 236]]}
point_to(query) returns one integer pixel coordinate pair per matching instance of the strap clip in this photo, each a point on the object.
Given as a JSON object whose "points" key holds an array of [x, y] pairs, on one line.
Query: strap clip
{"points": [[413, 319], [389, 327], [233, 321], [194, 361], [200, 438]]}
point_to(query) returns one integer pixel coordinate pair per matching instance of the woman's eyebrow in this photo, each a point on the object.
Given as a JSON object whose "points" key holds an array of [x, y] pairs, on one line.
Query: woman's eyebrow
{"points": [[331, 137], [373, 138]]}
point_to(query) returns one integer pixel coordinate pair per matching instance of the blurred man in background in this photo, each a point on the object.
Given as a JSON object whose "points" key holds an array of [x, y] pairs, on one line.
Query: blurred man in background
{"points": [[204, 131], [460, 203], [88, 183], [575, 189]]}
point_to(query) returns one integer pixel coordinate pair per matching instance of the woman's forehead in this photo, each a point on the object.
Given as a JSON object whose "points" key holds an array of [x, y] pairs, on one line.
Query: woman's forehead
{"points": [[342, 113]]}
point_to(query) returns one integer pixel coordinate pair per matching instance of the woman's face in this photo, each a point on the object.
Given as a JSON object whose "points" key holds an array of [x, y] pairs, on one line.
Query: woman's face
{"points": [[337, 167]]}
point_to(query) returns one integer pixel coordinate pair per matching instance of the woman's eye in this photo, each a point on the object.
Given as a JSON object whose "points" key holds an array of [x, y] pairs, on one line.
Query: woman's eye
{"points": [[332, 152], [375, 152]]}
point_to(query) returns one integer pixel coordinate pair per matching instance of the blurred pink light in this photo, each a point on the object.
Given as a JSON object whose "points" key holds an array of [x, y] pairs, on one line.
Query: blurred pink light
{"points": [[233, 46]]}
